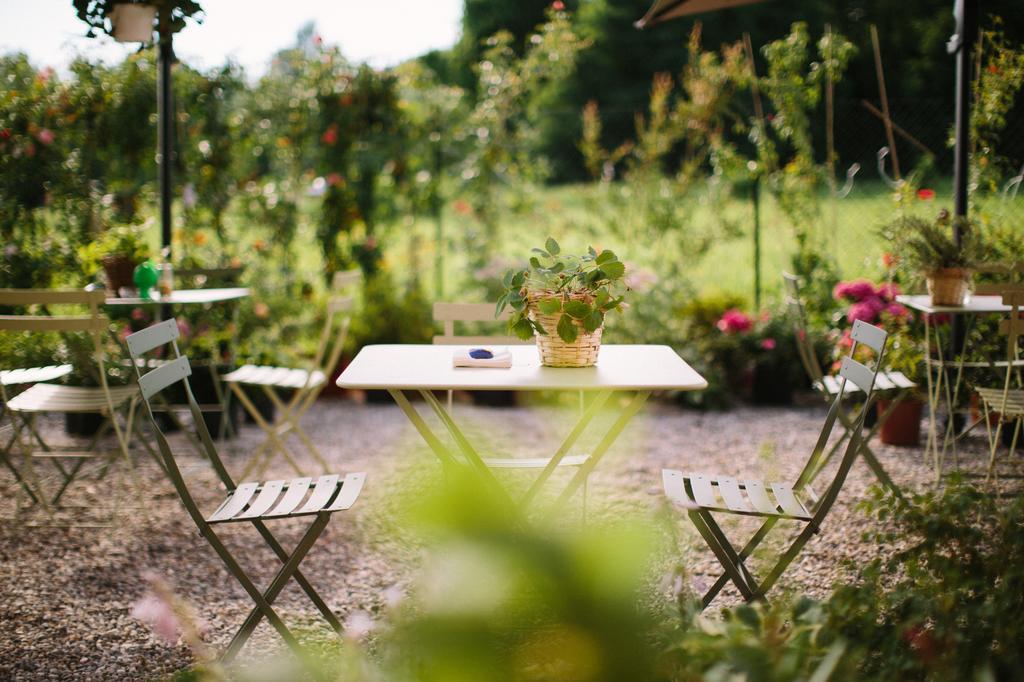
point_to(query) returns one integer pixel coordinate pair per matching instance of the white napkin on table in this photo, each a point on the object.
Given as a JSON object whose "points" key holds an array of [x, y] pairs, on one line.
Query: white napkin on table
{"points": [[502, 357]]}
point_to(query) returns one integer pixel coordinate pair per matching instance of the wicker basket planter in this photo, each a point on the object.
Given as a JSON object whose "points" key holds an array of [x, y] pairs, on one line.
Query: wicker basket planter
{"points": [[949, 286], [554, 352], [120, 272]]}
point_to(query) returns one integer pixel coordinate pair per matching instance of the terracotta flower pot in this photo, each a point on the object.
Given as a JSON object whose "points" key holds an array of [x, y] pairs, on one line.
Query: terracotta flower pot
{"points": [[133, 23], [949, 286], [903, 427]]}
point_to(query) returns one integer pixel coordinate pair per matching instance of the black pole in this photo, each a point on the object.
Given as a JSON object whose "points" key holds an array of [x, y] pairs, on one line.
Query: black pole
{"points": [[962, 44], [755, 199], [165, 131]]}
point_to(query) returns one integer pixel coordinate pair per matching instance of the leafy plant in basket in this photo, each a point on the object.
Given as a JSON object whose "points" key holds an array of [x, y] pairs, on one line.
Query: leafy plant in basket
{"points": [[564, 298], [929, 249]]}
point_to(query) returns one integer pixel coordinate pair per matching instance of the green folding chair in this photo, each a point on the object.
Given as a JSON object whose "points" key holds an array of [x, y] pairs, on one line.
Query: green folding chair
{"points": [[112, 402], [304, 383], [250, 502], [702, 494], [895, 384], [1005, 404]]}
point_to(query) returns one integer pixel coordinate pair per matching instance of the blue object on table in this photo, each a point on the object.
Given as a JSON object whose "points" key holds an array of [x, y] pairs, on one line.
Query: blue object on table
{"points": [[480, 354]]}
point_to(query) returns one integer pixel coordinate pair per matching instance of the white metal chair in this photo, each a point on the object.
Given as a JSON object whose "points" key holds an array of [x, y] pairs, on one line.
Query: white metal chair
{"points": [[250, 502], [450, 314], [701, 494], [305, 384], [896, 384], [1006, 402], [41, 397]]}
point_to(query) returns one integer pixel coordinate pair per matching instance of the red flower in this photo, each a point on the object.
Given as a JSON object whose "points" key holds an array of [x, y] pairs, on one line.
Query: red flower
{"points": [[335, 179], [925, 194], [5, 134], [330, 135], [558, 5], [889, 260], [992, 68], [734, 321]]}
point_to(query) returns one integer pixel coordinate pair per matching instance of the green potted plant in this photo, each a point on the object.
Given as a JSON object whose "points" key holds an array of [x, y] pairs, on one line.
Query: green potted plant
{"points": [[118, 250], [928, 248], [562, 300]]}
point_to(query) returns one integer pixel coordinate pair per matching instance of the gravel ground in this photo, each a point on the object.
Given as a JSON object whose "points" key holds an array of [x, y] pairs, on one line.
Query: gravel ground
{"points": [[66, 591]]}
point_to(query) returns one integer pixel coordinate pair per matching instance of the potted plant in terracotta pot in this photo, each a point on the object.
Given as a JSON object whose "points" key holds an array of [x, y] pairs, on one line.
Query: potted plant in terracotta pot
{"points": [[130, 21], [118, 250], [929, 249], [562, 300]]}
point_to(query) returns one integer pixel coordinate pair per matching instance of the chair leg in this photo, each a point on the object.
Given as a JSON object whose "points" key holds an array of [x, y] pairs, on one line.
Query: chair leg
{"points": [[747, 550], [268, 428], [264, 600], [723, 557], [320, 604], [785, 560]]}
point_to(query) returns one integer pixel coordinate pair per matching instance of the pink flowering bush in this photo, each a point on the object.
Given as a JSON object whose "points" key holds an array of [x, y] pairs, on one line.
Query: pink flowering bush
{"points": [[868, 302], [735, 321]]}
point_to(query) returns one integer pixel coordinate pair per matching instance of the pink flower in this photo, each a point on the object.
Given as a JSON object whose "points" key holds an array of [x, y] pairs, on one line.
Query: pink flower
{"points": [[184, 328], [867, 310], [735, 321], [897, 310], [158, 614], [768, 344], [45, 136], [888, 291], [857, 290], [558, 5]]}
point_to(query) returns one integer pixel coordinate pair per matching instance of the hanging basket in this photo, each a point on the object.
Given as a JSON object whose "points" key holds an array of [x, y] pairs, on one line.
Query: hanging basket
{"points": [[132, 23], [949, 286], [554, 352]]}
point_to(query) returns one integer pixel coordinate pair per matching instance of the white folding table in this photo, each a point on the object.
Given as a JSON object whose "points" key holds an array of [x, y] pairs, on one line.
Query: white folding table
{"points": [[407, 369], [941, 386]]}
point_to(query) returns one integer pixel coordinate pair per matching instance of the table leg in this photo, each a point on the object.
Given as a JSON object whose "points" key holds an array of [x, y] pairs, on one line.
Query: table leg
{"points": [[602, 447]]}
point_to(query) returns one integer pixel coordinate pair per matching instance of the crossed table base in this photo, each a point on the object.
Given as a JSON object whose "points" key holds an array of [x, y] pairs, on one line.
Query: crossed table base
{"points": [[407, 371]]}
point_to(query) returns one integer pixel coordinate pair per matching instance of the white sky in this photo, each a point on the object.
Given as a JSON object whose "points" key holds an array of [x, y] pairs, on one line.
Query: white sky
{"points": [[381, 32]]}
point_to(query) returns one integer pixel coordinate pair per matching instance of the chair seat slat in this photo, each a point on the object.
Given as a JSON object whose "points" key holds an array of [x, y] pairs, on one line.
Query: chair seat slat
{"points": [[32, 375], [325, 488], [729, 489], [350, 490], [788, 502], [297, 489], [675, 490], [269, 493], [703, 493], [235, 503], [759, 497]]}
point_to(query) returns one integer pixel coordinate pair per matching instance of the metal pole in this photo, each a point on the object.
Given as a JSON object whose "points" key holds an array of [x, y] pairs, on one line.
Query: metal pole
{"points": [[961, 44], [755, 198], [438, 208], [165, 129], [966, 13]]}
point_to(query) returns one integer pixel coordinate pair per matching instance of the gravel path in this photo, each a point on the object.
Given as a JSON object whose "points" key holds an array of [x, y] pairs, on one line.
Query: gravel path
{"points": [[66, 592]]}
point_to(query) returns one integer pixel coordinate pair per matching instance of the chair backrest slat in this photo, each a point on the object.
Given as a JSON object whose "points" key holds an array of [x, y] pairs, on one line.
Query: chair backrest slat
{"points": [[149, 338], [450, 313], [51, 297], [868, 334], [163, 376], [858, 373], [53, 323], [346, 279]]}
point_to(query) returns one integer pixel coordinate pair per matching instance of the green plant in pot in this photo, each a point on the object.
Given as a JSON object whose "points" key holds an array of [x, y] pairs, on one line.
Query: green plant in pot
{"points": [[562, 300], [118, 250], [929, 249]]}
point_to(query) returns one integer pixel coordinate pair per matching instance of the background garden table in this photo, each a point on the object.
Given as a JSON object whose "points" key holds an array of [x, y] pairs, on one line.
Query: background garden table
{"points": [[191, 297], [941, 387], [407, 369]]}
